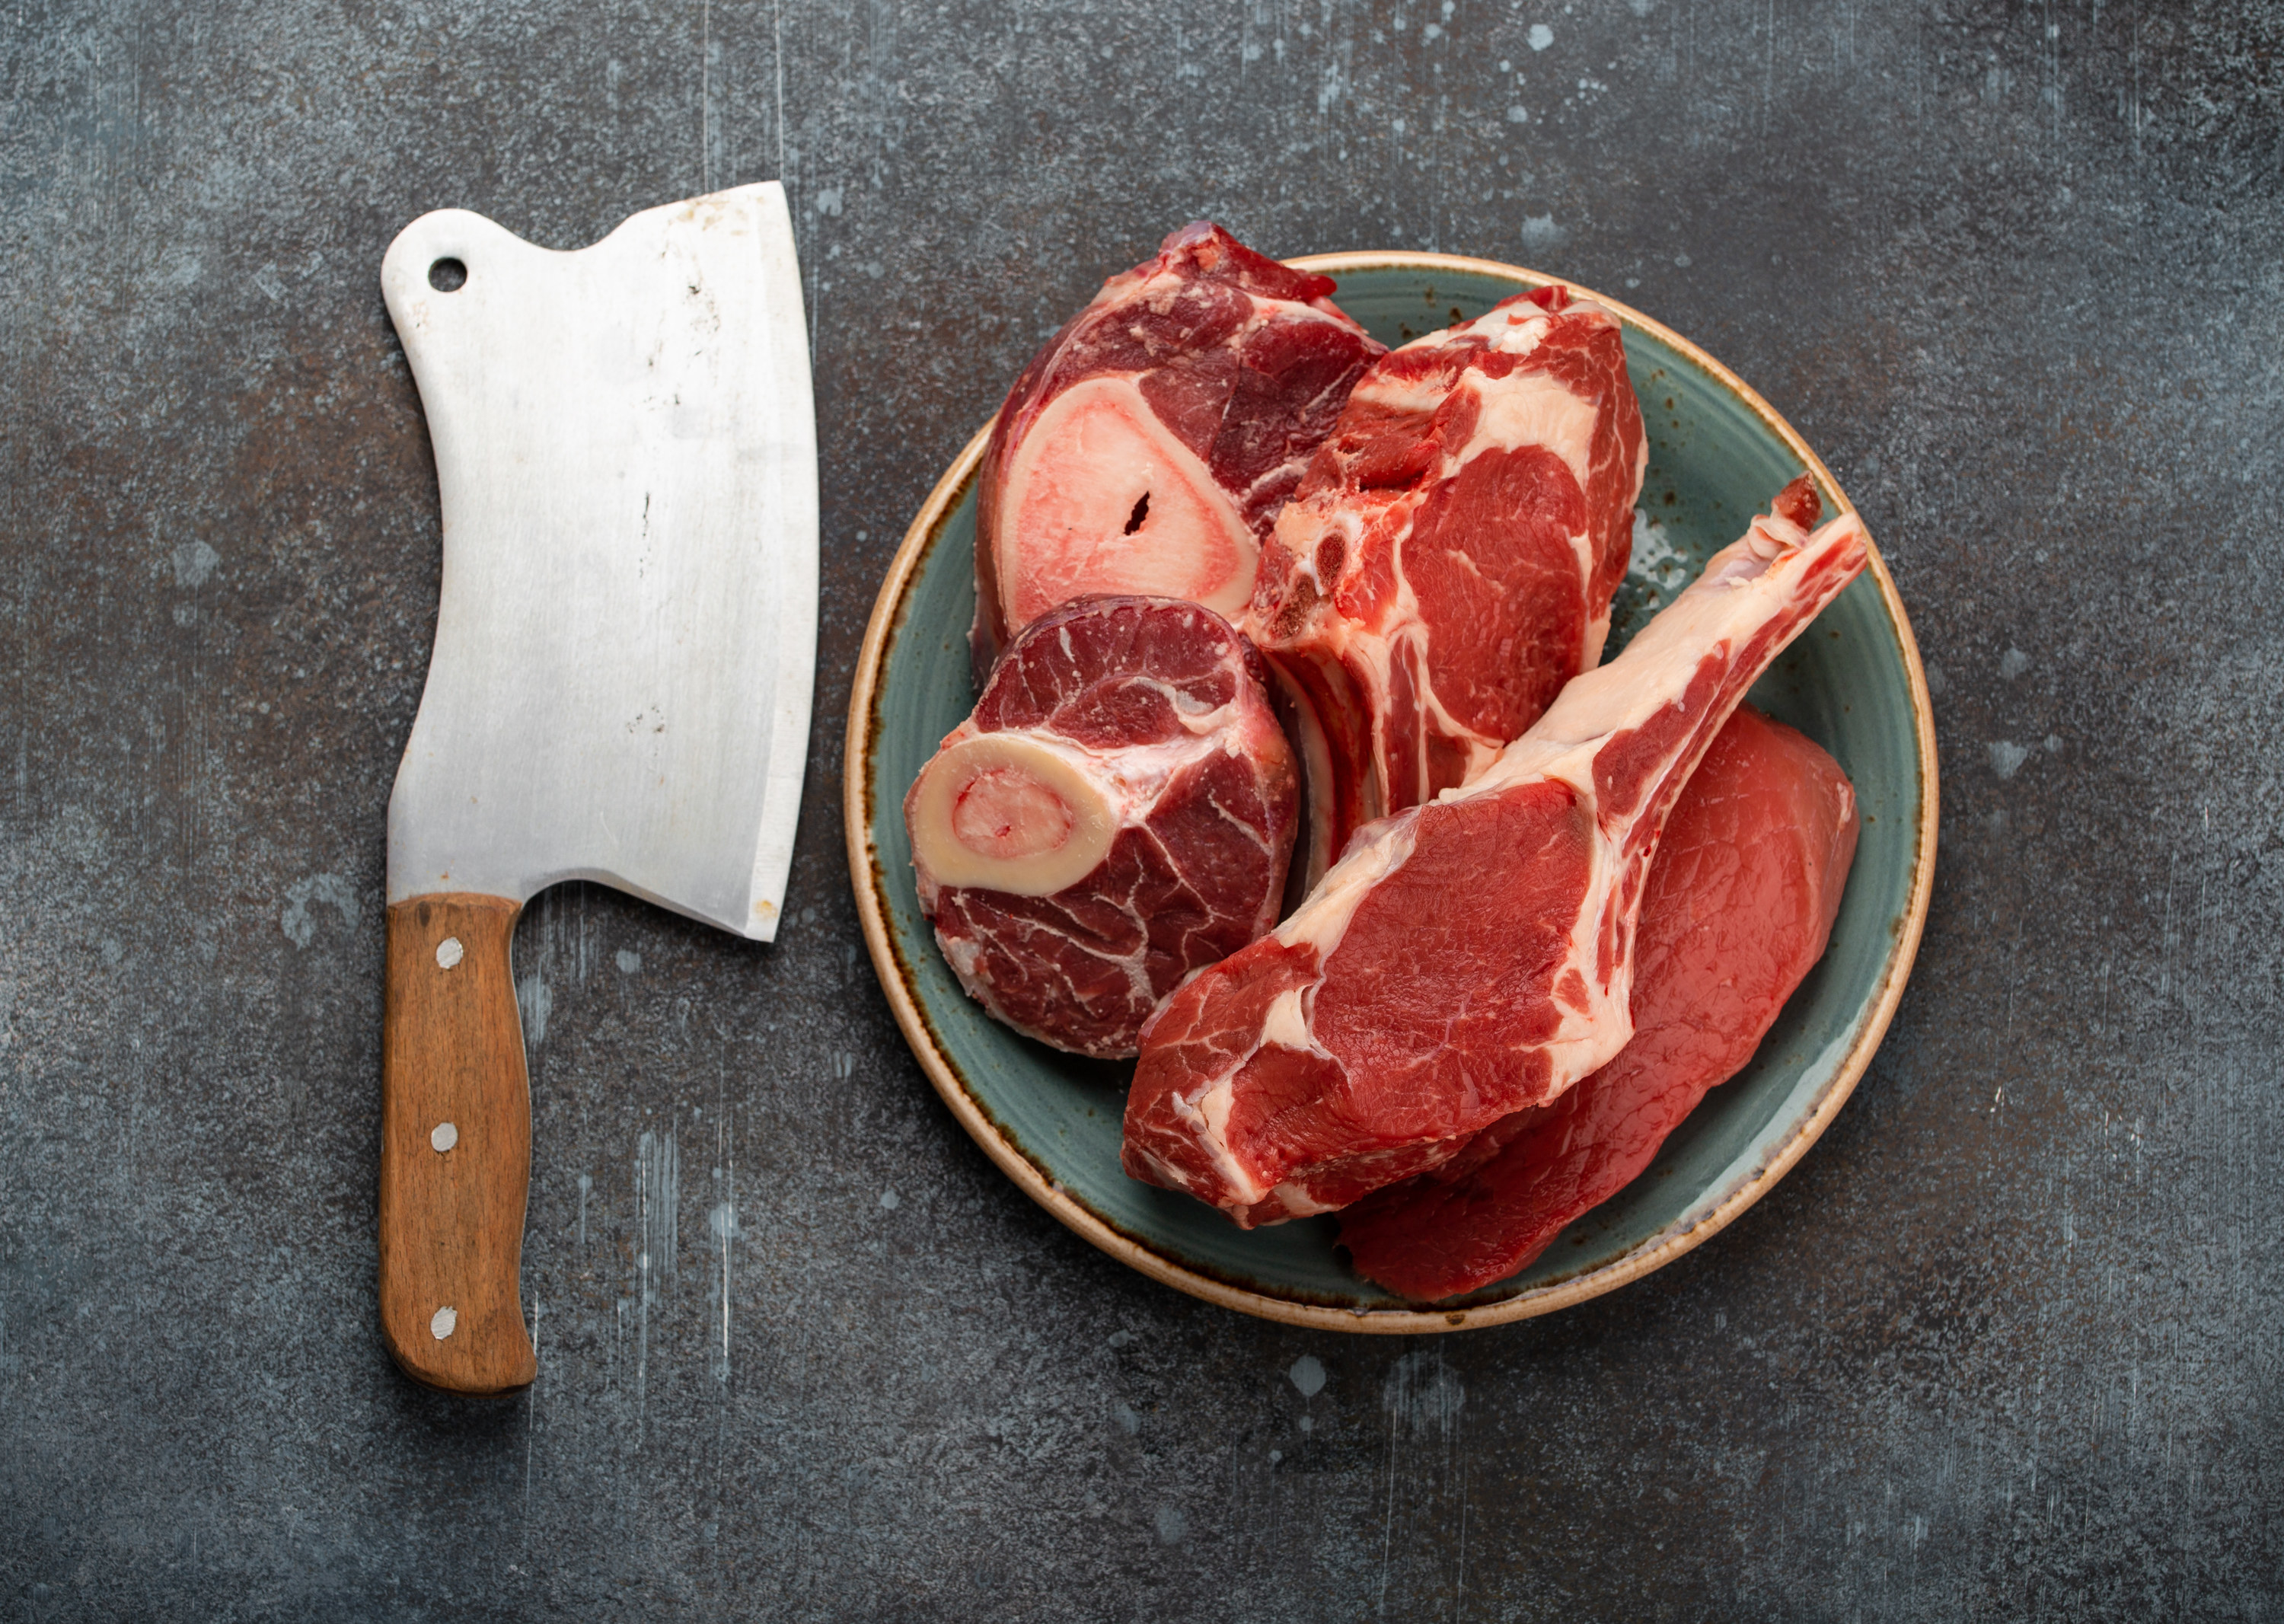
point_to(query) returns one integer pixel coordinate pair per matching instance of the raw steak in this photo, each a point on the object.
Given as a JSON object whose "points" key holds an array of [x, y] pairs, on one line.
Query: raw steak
{"points": [[1748, 877], [1447, 562], [1117, 813], [1148, 446], [1468, 957]]}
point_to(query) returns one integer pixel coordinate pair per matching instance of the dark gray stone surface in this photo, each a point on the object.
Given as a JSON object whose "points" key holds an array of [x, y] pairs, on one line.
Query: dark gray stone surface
{"points": [[2006, 1345]]}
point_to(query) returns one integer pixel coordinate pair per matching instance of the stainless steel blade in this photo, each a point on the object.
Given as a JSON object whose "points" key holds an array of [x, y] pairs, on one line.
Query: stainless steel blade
{"points": [[626, 454]]}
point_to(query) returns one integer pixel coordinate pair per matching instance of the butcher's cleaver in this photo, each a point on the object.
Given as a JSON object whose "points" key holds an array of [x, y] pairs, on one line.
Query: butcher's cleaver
{"points": [[626, 455]]}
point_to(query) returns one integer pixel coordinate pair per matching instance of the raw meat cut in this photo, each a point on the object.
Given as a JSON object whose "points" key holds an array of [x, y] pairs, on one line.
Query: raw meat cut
{"points": [[1447, 564], [1474, 955], [1739, 901], [1118, 812], [1148, 446]]}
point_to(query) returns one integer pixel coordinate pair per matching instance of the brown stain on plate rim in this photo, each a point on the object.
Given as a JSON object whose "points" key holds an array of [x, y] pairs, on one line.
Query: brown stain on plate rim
{"points": [[898, 980]]}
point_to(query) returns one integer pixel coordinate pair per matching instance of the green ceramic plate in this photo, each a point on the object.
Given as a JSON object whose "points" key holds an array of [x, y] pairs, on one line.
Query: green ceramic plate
{"points": [[1852, 682]]}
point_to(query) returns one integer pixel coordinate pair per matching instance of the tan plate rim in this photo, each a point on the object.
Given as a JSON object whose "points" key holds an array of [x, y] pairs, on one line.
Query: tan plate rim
{"points": [[863, 871]]}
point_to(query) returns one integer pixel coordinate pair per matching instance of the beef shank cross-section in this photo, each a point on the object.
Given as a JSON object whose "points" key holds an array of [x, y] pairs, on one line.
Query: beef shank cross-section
{"points": [[1448, 559], [1116, 813], [1147, 448]]}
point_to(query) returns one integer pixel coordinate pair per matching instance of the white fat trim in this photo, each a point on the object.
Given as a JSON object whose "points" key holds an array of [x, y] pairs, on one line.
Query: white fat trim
{"points": [[1193, 713], [1207, 1120], [1407, 396], [1531, 408], [1286, 1024], [1321, 921], [1515, 331], [1139, 774], [1598, 632], [1296, 1202]]}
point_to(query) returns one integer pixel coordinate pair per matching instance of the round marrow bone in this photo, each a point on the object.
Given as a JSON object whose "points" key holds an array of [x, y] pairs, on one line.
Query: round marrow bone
{"points": [[1009, 812]]}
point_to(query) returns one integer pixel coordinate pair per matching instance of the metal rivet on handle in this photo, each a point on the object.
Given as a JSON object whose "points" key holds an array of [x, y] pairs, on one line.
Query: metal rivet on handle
{"points": [[444, 1136], [449, 952], [441, 1326]]}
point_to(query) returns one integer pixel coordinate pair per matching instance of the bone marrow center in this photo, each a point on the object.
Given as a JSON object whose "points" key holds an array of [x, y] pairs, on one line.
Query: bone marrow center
{"points": [[1004, 812], [1010, 812]]}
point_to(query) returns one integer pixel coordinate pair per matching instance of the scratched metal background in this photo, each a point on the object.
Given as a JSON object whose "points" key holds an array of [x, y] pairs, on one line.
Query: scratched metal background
{"points": [[2007, 1346]]}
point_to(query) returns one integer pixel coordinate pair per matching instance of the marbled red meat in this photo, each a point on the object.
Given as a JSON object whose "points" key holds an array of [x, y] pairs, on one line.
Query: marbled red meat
{"points": [[1149, 445], [1472, 956], [1447, 562], [1117, 813], [1739, 901]]}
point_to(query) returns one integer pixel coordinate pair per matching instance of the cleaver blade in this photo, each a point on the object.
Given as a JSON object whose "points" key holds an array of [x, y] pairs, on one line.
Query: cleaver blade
{"points": [[619, 690]]}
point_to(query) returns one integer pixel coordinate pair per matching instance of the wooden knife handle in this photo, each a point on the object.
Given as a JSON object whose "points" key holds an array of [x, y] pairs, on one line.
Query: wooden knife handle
{"points": [[455, 1147]]}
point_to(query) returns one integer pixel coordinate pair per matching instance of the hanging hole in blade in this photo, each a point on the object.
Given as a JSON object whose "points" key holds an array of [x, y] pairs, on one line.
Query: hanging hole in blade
{"points": [[448, 275]]}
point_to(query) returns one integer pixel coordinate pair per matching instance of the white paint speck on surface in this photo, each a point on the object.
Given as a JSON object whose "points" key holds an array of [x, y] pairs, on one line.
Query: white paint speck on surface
{"points": [[194, 562], [299, 923], [535, 1004], [628, 961], [1308, 1375], [2006, 757], [442, 1323], [449, 952], [2013, 663], [1540, 37], [891, 1201], [1172, 1524], [444, 1136], [1653, 560]]}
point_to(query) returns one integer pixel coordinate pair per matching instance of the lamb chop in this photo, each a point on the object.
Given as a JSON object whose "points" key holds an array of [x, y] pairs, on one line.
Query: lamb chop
{"points": [[1738, 906], [1474, 955], [1447, 562], [1149, 445], [1117, 813]]}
